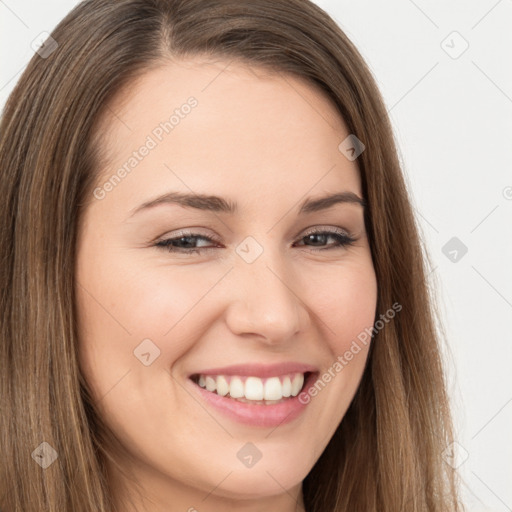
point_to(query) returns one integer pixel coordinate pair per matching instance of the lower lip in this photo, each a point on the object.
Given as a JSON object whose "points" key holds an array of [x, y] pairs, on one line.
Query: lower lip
{"points": [[254, 414]]}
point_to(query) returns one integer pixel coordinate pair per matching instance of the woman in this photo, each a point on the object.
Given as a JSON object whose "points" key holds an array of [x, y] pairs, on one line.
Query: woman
{"points": [[213, 291]]}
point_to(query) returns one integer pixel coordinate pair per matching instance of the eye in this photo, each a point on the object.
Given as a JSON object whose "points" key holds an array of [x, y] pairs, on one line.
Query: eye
{"points": [[187, 242], [184, 243], [320, 237]]}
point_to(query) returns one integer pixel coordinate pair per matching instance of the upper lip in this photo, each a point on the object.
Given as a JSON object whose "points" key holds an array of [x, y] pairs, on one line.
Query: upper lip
{"points": [[259, 370]]}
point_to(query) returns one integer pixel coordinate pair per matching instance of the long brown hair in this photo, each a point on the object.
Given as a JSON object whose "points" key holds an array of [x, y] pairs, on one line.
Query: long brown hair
{"points": [[386, 454]]}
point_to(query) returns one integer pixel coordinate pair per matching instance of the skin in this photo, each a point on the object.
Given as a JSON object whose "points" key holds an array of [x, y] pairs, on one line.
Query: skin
{"points": [[267, 142]]}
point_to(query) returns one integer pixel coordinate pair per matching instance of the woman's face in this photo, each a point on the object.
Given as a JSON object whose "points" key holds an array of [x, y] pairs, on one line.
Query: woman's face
{"points": [[246, 301]]}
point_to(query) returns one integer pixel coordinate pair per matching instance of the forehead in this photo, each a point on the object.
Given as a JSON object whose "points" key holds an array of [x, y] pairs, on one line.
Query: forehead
{"points": [[250, 130]]}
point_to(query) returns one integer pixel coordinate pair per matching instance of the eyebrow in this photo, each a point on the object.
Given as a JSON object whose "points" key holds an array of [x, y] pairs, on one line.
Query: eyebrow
{"points": [[220, 205]]}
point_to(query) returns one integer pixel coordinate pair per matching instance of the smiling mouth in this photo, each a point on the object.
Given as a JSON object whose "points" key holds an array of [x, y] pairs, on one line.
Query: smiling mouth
{"points": [[254, 390]]}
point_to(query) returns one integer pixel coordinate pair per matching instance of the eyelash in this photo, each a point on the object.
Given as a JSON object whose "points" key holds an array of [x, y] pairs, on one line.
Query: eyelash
{"points": [[343, 240]]}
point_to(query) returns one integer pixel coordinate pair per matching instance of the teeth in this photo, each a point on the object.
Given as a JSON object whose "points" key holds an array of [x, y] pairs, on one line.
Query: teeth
{"points": [[253, 388], [236, 388], [272, 389], [287, 386], [222, 386], [211, 384], [297, 383]]}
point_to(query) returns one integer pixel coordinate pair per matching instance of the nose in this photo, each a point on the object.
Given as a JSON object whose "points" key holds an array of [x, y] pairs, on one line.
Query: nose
{"points": [[262, 301]]}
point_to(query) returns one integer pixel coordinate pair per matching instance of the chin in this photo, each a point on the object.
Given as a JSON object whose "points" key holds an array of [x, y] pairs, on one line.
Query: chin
{"points": [[256, 483]]}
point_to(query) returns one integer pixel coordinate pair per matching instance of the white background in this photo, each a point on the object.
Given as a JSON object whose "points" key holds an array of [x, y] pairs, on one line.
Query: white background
{"points": [[453, 122]]}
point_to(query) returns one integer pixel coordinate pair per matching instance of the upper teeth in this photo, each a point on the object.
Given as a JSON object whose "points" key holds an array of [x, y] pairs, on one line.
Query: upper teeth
{"points": [[253, 388]]}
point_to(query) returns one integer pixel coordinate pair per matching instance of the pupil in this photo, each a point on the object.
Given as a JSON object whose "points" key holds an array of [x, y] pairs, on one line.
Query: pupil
{"points": [[184, 240], [312, 239]]}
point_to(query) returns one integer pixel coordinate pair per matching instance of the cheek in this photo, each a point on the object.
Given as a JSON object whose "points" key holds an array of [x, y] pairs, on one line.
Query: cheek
{"points": [[346, 303], [345, 307], [123, 301]]}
